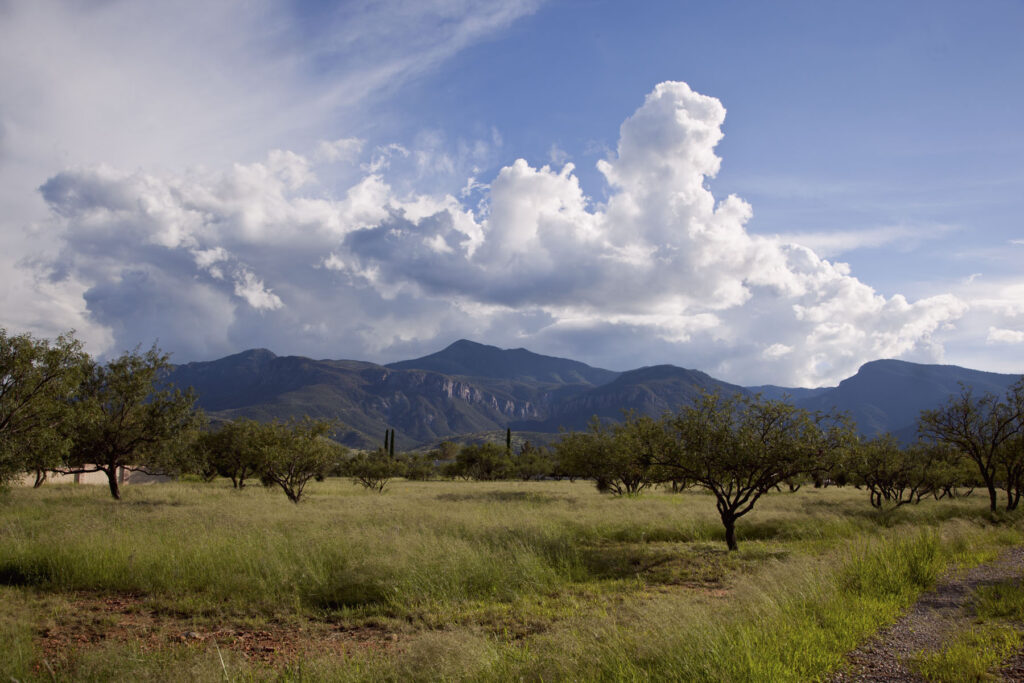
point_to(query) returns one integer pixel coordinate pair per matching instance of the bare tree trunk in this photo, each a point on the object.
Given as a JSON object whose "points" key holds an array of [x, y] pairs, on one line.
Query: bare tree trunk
{"points": [[729, 522], [992, 496], [115, 490], [40, 478], [1012, 497]]}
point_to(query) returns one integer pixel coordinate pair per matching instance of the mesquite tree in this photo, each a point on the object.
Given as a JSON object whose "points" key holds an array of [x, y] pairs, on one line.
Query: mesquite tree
{"points": [[374, 470], [236, 450], [984, 430], [37, 380], [897, 475], [618, 458], [296, 452], [123, 419], [740, 447]]}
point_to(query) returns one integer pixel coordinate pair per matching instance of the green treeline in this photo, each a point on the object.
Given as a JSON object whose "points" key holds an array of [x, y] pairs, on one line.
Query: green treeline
{"points": [[61, 411]]}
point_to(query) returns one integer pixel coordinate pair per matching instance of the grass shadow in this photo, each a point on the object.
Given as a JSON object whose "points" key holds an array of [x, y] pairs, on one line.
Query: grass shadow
{"points": [[703, 565], [532, 497]]}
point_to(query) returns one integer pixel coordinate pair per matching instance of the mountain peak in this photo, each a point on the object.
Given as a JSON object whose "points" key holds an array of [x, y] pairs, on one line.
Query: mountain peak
{"points": [[463, 345], [257, 353], [252, 356], [469, 358]]}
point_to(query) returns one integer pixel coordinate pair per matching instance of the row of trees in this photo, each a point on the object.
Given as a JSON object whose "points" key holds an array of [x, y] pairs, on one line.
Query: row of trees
{"points": [[288, 455], [737, 447], [61, 411], [987, 431], [740, 448]]}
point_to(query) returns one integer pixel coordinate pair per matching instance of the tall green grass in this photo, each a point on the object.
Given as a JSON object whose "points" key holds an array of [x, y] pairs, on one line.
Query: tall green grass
{"points": [[995, 633], [539, 581], [347, 548], [792, 621]]}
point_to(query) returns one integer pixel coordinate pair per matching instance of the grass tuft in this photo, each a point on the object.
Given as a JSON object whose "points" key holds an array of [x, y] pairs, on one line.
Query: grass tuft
{"points": [[970, 656]]}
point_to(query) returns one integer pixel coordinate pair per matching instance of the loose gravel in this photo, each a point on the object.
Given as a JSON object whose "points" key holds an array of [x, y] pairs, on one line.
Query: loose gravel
{"points": [[936, 615]]}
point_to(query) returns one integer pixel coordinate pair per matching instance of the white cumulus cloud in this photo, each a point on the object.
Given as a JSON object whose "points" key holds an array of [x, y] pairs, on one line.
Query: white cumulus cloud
{"points": [[661, 270], [1001, 336]]}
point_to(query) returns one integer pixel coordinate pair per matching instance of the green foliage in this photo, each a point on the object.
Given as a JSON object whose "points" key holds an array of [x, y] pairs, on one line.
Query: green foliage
{"points": [[418, 466], [123, 418], [987, 431], [296, 452], [739, 448], [37, 381], [374, 469], [533, 462], [483, 462], [620, 458], [446, 451], [236, 450], [895, 475]]}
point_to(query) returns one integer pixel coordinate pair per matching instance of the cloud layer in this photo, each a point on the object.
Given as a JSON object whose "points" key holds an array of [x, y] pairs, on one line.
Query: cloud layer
{"points": [[263, 254]]}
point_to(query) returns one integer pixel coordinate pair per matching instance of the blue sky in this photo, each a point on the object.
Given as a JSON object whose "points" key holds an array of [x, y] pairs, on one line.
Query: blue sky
{"points": [[375, 180]]}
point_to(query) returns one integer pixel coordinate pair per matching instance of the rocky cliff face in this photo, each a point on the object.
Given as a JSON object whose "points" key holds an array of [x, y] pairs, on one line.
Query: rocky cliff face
{"points": [[397, 386], [422, 406]]}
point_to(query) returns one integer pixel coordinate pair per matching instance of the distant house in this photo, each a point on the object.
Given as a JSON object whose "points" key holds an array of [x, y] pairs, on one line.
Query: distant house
{"points": [[99, 478]]}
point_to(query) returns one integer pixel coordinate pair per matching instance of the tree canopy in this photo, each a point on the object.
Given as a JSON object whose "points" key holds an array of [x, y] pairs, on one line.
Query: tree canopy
{"points": [[740, 447], [989, 432], [37, 381], [296, 452], [122, 417]]}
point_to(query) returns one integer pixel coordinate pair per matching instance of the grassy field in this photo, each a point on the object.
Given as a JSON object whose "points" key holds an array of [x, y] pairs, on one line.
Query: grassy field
{"points": [[459, 580]]}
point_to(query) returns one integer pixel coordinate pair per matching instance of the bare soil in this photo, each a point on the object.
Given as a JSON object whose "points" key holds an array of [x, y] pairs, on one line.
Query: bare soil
{"points": [[92, 620]]}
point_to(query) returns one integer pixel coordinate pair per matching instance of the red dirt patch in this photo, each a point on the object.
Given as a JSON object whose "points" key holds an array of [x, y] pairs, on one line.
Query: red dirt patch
{"points": [[121, 619]]}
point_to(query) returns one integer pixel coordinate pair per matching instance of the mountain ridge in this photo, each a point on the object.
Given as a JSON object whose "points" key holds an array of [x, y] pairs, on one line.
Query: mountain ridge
{"points": [[488, 389]]}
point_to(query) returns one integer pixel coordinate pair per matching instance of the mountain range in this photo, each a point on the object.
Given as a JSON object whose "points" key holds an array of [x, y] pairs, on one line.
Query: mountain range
{"points": [[468, 388]]}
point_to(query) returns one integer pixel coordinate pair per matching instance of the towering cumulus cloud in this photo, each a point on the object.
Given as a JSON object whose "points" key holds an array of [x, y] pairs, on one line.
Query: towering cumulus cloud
{"points": [[660, 271]]}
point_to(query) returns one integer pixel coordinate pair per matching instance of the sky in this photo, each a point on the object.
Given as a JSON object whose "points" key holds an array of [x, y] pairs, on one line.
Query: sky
{"points": [[768, 192]]}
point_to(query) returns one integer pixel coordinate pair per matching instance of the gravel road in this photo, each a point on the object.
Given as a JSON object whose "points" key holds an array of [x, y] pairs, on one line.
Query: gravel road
{"points": [[937, 613]]}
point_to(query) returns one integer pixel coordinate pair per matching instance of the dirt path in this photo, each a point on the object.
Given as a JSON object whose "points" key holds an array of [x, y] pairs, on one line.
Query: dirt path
{"points": [[937, 614]]}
